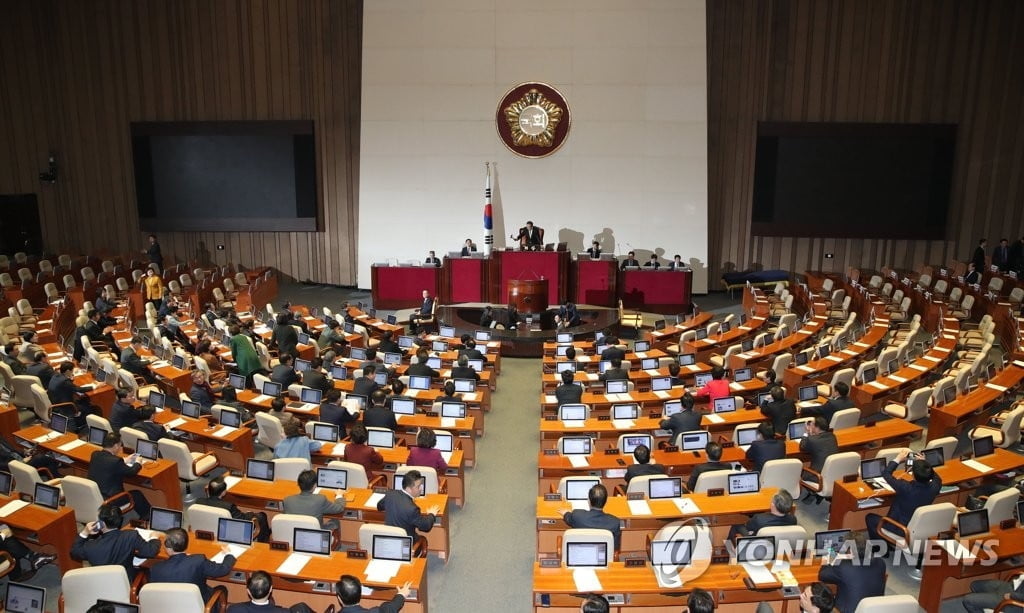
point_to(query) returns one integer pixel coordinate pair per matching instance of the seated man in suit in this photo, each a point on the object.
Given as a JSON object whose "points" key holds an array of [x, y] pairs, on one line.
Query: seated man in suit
{"points": [[421, 368], [594, 517], [108, 470], [194, 568], [779, 409], [568, 392], [461, 370], [856, 573], [62, 390], [612, 349], [594, 603], [839, 401], [333, 413], [766, 447], [259, 588], [10, 357], [350, 591], [530, 238], [425, 311], [468, 248], [314, 505], [40, 368], [779, 514], [818, 442], [677, 263], [919, 491], [400, 508], [653, 263], [615, 373], [202, 392], [973, 276], [673, 373], [215, 490], [683, 421], [367, 384], [388, 344], [122, 412], [104, 542], [595, 250], [20, 552], [432, 260], [630, 261], [284, 373], [816, 598], [315, 377], [380, 416], [470, 351], [714, 452], [133, 363], [642, 455], [569, 314]]}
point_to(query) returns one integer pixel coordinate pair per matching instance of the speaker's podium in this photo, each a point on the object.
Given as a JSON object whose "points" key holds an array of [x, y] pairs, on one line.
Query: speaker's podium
{"points": [[515, 267]]}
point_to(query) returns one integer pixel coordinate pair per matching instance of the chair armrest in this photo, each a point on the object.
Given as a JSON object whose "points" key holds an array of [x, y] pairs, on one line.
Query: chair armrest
{"points": [[1007, 602], [817, 487], [618, 491], [442, 486], [137, 583], [218, 600], [197, 459], [42, 470], [12, 564], [64, 404], [378, 481], [123, 500], [249, 424], [898, 527], [419, 546]]}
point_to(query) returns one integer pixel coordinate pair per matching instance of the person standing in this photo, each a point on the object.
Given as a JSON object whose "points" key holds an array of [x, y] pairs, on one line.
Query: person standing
{"points": [[153, 253], [243, 352], [153, 288], [979, 255]]}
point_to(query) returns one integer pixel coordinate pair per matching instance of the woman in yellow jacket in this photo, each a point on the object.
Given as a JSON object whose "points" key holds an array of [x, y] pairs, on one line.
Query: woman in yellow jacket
{"points": [[153, 287]]}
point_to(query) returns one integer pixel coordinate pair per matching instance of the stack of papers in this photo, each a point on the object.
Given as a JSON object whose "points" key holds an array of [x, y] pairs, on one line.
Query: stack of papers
{"points": [[382, 571], [261, 399], [293, 564], [687, 506], [230, 481], [956, 550], [586, 580], [579, 505], [759, 573], [715, 418], [868, 503], [11, 507], [578, 460], [549, 399], [623, 424], [978, 466], [639, 507], [49, 436], [223, 431], [373, 500], [662, 394], [447, 455], [448, 422], [573, 423], [998, 388], [71, 445], [174, 423]]}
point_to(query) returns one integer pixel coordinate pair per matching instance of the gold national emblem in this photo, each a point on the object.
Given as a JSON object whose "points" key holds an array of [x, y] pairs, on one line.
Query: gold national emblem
{"points": [[533, 120]]}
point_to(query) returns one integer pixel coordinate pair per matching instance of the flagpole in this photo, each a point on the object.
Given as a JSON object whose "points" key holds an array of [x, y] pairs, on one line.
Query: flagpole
{"points": [[488, 218]]}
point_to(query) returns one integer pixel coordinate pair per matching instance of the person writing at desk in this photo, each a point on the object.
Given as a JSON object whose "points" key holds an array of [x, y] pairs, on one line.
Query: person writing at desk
{"points": [[468, 248], [530, 238], [630, 261], [400, 507]]}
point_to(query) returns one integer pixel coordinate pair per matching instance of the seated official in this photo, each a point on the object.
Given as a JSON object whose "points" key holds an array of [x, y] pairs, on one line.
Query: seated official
{"points": [[470, 351], [986, 594], [653, 263], [630, 261], [612, 349], [714, 453], [133, 362], [779, 409], [259, 587], [717, 388], [27, 562], [284, 373], [215, 490], [683, 421], [674, 377], [568, 392], [108, 469], [378, 415], [366, 385], [856, 573], [530, 237], [487, 318], [315, 378], [677, 263], [973, 276], [332, 412], [350, 591], [400, 508], [432, 260], [29, 347], [194, 568], [332, 341], [780, 513], [424, 454], [122, 412], [615, 373], [358, 452], [202, 393], [839, 401], [295, 443], [144, 423], [425, 311], [41, 369], [462, 370], [766, 447], [204, 350], [63, 391], [595, 517], [909, 495], [277, 410], [642, 455], [420, 368], [819, 443], [468, 248], [11, 358], [104, 542], [314, 505], [449, 395], [595, 250], [816, 598], [700, 601], [388, 344]]}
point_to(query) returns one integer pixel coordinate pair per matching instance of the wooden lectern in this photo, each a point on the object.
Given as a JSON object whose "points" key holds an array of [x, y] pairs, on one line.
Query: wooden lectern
{"points": [[528, 295]]}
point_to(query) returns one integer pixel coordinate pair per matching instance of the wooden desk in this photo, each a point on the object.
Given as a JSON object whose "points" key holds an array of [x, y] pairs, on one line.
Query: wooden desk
{"points": [[43, 528], [661, 339], [796, 341], [232, 450], [158, 479], [794, 376], [944, 578], [658, 291], [401, 287], [10, 421], [718, 343], [268, 496], [972, 409], [720, 425], [720, 511], [600, 403]]}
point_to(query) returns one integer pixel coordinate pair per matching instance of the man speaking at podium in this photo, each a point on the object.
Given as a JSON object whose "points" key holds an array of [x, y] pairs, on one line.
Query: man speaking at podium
{"points": [[530, 238]]}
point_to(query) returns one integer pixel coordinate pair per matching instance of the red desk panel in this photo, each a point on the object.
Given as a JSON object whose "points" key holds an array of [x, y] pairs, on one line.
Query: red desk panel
{"points": [[595, 282], [657, 291], [550, 265], [465, 280], [401, 287]]}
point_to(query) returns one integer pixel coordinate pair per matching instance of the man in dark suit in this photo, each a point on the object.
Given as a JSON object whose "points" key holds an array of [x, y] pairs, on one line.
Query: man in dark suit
{"points": [[595, 517], [530, 237], [145, 423], [122, 412], [677, 263], [426, 310], [378, 415], [653, 263], [766, 447], [973, 276], [642, 455], [388, 344], [314, 505], [468, 248], [366, 385], [714, 453], [194, 568], [595, 250], [315, 378], [333, 413], [839, 401], [421, 368], [630, 261], [615, 372], [1001, 255], [104, 542], [284, 373], [461, 370], [134, 364], [673, 374], [400, 507], [909, 495], [613, 350], [856, 573], [978, 258], [683, 421], [568, 392], [350, 592], [284, 337], [819, 443], [108, 470], [41, 369], [259, 588], [779, 409], [10, 358], [62, 389], [432, 260], [779, 514], [215, 498], [470, 351]]}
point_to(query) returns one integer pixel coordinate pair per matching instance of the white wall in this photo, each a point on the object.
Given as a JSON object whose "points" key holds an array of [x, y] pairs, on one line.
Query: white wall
{"points": [[634, 166]]}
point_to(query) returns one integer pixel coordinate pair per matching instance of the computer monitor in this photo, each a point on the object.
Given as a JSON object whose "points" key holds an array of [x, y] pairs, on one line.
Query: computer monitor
{"points": [[191, 409], [755, 549], [935, 457], [840, 342], [445, 441], [702, 379], [259, 469], [401, 405], [147, 449], [807, 393], [392, 359], [447, 331], [327, 433], [236, 381], [6, 480], [869, 374], [439, 346], [271, 388], [724, 327], [380, 377], [664, 487], [419, 382], [676, 553], [603, 365], [178, 361], [349, 328], [641, 346], [746, 436], [579, 489], [829, 541], [763, 397], [434, 362], [163, 520], [892, 366], [358, 399], [156, 399], [310, 395], [394, 548], [649, 364], [476, 364], [230, 418], [784, 333], [563, 337], [576, 445], [747, 345], [59, 422], [406, 341], [616, 386], [744, 483], [695, 440], [583, 555], [572, 412], [235, 531], [391, 320], [100, 376], [339, 373], [725, 405], [47, 496], [687, 359], [660, 324], [563, 366], [661, 384], [625, 411], [671, 407], [702, 333], [119, 607], [970, 523], [24, 598], [872, 469], [311, 541], [357, 353], [301, 365], [948, 394], [303, 340], [743, 374], [481, 335], [631, 442], [1020, 512], [464, 385], [984, 446], [380, 438], [801, 358], [456, 410], [96, 435], [797, 429]]}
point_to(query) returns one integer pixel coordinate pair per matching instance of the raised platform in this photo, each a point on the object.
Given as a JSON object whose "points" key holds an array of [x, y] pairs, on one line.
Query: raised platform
{"points": [[523, 342]]}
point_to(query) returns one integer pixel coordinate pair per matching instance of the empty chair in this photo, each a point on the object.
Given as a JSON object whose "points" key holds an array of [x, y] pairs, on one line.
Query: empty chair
{"points": [[23, 397], [80, 588], [713, 479], [846, 418], [26, 476], [206, 517], [926, 523], [903, 312], [1017, 295], [83, 495], [1008, 433], [948, 444], [191, 464], [270, 431], [367, 531], [995, 285], [288, 469], [179, 598], [356, 475], [1001, 505], [964, 310], [783, 473], [283, 525], [837, 466], [794, 538], [98, 421], [941, 286], [896, 603], [588, 535]]}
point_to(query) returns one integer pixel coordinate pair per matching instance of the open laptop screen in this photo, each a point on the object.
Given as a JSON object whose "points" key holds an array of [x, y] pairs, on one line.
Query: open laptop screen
{"points": [[453, 409], [563, 337], [702, 379], [572, 412], [563, 366], [445, 441], [259, 469], [403, 406], [972, 522], [576, 445], [482, 335], [586, 554], [687, 359], [746, 436], [300, 364], [664, 487], [405, 341], [807, 393], [641, 346], [236, 381], [156, 399], [631, 442], [797, 429], [332, 478], [448, 331], [147, 449], [464, 385], [743, 374], [271, 388], [392, 359], [744, 483], [579, 489], [617, 386], [625, 411], [311, 396], [237, 531], [934, 457], [316, 542], [694, 441], [163, 520], [476, 364], [725, 405], [757, 549], [872, 469], [828, 541], [47, 496], [671, 407], [24, 598], [96, 435], [395, 548], [357, 353], [384, 439], [192, 409], [661, 384], [983, 446], [6, 480], [649, 364], [327, 433], [58, 422], [671, 553], [419, 382]]}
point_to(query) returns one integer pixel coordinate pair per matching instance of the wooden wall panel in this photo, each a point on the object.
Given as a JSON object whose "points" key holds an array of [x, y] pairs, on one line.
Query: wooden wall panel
{"points": [[942, 61], [73, 75]]}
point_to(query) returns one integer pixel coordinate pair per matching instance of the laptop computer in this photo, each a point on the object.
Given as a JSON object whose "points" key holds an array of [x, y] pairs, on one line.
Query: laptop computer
{"points": [[147, 449], [695, 440], [572, 412], [6, 481], [332, 478], [481, 335], [476, 364], [236, 381], [649, 364], [586, 555], [747, 345], [434, 362], [156, 399], [392, 359], [763, 397], [381, 439], [725, 405], [339, 373], [687, 359], [641, 346], [235, 531], [403, 406], [801, 358], [563, 366], [230, 418], [745, 437], [576, 445], [674, 554], [301, 365], [259, 469], [578, 490], [406, 341], [191, 409], [868, 375], [664, 487], [445, 442], [447, 331], [178, 361], [311, 541], [419, 382], [453, 410], [271, 388], [797, 430], [326, 433], [303, 340], [970, 523], [660, 324], [617, 386], [702, 379], [631, 442], [96, 435], [756, 550], [702, 333], [807, 395], [439, 346], [744, 483], [871, 472], [671, 407], [59, 422], [828, 542], [563, 337], [934, 457], [24, 598], [661, 384], [47, 496], [309, 398], [394, 548], [464, 385], [163, 520], [743, 374], [983, 446], [625, 411]]}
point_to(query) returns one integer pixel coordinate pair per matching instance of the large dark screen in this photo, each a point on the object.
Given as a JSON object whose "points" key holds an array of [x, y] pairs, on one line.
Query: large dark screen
{"points": [[853, 180], [225, 176]]}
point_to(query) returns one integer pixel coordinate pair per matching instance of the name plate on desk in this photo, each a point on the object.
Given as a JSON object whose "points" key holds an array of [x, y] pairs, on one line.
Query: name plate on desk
{"points": [[635, 496], [635, 563], [279, 545], [356, 554], [550, 563], [716, 491], [553, 497], [611, 451], [204, 535], [672, 448], [550, 452]]}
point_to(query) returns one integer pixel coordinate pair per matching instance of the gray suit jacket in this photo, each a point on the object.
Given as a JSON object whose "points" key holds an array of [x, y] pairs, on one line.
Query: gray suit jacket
{"points": [[315, 505]]}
